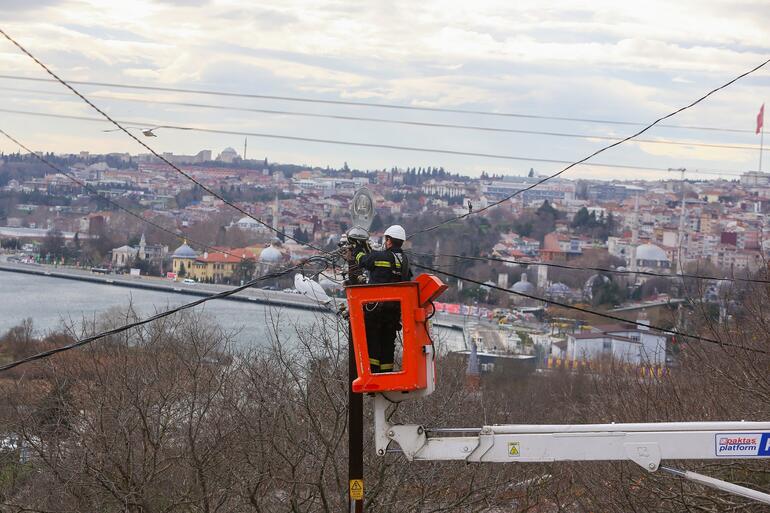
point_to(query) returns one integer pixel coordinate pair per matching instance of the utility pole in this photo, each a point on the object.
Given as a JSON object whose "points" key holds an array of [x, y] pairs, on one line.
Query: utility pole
{"points": [[761, 147], [362, 215], [355, 436], [761, 127]]}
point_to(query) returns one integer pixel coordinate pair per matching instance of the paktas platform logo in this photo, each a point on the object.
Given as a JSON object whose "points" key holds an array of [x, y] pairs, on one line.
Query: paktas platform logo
{"points": [[742, 444]]}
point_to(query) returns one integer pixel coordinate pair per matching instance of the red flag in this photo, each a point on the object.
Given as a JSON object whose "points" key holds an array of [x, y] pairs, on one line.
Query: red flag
{"points": [[761, 118]]}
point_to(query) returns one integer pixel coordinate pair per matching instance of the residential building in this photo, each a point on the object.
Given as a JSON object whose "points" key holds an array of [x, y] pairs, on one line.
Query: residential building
{"points": [[629, 343]]}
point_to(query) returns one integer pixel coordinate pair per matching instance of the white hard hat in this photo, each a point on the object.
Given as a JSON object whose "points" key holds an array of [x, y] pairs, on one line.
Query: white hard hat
{"points": [[396, 232]]}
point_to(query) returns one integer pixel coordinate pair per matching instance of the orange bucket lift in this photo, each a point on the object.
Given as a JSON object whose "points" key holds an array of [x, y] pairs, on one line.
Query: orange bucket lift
{"points": [[417, 371]]}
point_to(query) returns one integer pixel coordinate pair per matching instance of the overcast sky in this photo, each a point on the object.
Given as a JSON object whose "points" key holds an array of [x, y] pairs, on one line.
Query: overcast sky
{"points": [[626, 61]]}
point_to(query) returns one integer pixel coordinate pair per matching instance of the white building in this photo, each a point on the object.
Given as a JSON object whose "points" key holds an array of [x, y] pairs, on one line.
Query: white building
{"points": [[650, 256], [622, 342]]}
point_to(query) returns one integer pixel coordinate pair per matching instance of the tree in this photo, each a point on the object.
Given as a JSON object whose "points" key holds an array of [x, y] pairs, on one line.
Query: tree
{"points": [[246, 269], [182, 271], [607, 293], [586, 223], [53, 245], [301, 235]]}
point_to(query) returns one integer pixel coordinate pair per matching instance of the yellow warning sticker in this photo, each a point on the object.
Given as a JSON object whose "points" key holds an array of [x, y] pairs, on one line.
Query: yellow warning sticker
{"points": [[513, 449], [357, 489]]}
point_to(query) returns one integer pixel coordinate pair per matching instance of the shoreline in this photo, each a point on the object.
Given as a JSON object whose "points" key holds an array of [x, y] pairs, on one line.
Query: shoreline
{"points": [[269, 297], [201, 290]]}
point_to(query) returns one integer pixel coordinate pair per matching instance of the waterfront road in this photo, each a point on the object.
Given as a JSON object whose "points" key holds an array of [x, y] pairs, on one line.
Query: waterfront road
{"points": [[255, 295]]}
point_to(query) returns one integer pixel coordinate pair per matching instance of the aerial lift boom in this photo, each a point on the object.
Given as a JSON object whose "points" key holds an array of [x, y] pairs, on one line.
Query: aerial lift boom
{"points": [[645, 444]]}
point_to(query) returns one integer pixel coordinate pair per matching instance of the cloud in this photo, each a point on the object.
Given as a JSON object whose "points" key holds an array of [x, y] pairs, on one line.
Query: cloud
{"points": [[609, 60]]}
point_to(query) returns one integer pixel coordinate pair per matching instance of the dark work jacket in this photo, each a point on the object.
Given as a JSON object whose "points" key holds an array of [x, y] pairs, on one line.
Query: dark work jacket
{"points": [[386, 266]]}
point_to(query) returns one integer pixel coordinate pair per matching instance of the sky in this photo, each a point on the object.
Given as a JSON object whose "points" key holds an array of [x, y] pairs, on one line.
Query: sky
{"points": [[600, 60]]}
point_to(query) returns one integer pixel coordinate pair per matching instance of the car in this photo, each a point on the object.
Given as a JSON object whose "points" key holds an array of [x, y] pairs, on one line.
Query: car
{"points": [[189, 281]]}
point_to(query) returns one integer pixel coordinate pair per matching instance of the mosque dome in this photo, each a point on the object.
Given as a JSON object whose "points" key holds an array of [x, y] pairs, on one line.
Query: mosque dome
{"points": [[271, 255], [523, 286], [651, 253], [247, 221], [185, 251], [559, 288]]}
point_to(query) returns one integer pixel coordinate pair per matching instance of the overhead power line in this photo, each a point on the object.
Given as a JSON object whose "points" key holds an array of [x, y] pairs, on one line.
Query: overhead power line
{"points": [[597, 152], [592, 312], [369, 104], [117, 205], [125, 327], [588, 268], [353, 143], [148, 148], [427, 124]]}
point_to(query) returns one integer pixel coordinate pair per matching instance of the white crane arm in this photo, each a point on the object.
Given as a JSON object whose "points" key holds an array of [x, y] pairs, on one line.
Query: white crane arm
{"points": [[646, 444]]}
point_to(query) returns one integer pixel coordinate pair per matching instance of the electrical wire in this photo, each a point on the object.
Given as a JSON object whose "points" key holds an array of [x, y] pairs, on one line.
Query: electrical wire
{"points": [[147, 147], [592, 312], [125, 327], [588, 268], [370, 104], [117, 205], [139, 124], [597, 152], [399, 121]]}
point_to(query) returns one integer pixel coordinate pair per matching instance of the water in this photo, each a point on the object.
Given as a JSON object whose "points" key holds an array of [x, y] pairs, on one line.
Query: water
{"points": [[53, 302]]}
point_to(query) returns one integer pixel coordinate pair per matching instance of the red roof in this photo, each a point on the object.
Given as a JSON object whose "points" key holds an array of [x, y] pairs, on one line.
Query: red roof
{"points": [[232, 256]]}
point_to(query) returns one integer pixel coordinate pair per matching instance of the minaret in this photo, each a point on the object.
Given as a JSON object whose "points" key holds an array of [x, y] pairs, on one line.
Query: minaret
{"points": [[682, 233], [142, 248], [542, 277], [276, 213], [635, 234]]}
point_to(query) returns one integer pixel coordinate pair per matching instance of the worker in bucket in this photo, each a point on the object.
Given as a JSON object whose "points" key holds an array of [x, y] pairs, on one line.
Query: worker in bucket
{"points": [[383, 319]]}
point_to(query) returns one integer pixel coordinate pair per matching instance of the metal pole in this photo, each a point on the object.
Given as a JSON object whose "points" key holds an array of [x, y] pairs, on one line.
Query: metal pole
{"points": [[362, 215], [761, 146], [718, 484], [355, 437]]}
